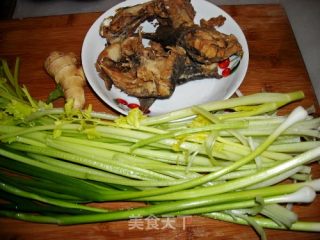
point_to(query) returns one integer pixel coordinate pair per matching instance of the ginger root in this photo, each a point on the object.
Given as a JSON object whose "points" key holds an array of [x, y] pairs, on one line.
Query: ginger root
{"points": [[66, 71]]}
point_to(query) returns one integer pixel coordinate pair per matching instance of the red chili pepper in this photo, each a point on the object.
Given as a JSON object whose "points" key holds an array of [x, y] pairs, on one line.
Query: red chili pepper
{"points": [[121, 101], [133, 105], [226, 72], [224, 64]]}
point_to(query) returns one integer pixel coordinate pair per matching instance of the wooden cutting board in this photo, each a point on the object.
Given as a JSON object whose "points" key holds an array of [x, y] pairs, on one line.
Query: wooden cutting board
{"points": [[275, 65]]}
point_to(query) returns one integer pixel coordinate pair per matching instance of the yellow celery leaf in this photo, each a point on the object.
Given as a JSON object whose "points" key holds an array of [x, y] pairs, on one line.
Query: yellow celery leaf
{"points": [[133, 118]]}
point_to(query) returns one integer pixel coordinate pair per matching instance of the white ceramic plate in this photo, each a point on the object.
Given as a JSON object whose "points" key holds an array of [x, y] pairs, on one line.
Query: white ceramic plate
{"points": [[188, 94]]}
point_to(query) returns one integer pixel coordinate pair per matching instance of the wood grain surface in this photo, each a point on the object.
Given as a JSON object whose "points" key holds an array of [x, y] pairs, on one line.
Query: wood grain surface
{"points": [[275, 65]]}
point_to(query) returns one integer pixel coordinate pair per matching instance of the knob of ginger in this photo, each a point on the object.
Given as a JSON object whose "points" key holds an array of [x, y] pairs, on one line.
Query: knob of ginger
{"points": [[66, 71]]}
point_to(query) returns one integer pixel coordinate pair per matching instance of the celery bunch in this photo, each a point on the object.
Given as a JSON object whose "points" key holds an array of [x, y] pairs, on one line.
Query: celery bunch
{"points": [[221, 160]]}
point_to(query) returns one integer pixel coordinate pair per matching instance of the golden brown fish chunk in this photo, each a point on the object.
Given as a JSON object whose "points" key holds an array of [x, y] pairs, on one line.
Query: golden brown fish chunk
{"points": [[177, 13], [125, 22], [141, 71], [207, 45], [213, 22]]}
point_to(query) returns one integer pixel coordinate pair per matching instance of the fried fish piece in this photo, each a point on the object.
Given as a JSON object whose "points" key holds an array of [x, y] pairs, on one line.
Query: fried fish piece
{"points": [[213, 22], [143, 72], [207, 45], [126, 21], [178, 13]]}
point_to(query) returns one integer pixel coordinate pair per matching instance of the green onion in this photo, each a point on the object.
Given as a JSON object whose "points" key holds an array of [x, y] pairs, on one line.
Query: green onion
{"points": [[223, 160]]}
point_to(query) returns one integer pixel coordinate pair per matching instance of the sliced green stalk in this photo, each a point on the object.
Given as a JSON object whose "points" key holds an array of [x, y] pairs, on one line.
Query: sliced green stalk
{"points": [[28, 205], [86, 161], [60, 112], [71, 166], [260, 231], [57, 177], [257, 110], [105, 156], [28, 161], [213, 119], [297, 115], [211, 127], [35, 129], [294, 147], [260, 176], [280, 215], [51, 188], [165, 207], [305, 194], [254, 99], [29, 217], [19, 192], [267, 223], [161, 155], [277, 178]]}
